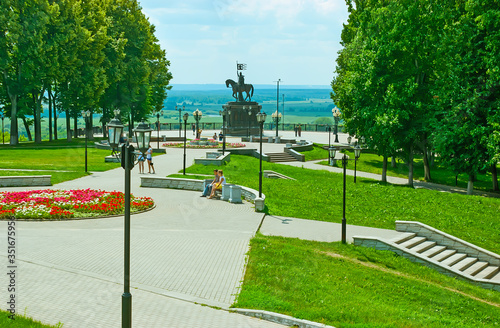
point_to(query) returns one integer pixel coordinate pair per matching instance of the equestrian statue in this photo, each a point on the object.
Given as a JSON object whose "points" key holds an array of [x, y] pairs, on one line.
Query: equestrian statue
{"points": [[239, 88]]}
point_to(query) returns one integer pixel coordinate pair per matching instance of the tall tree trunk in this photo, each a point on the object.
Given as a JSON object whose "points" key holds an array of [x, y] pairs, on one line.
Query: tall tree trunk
{"points": [[38, 116], [470, 184], [68, 126], [427, 167], [50, 114], [90, 130], [75, 126], [103, 122], [55, 117], [14, 129], [410, 166], [27, 127], [393, 162], [13, 96], [384, 169], [494, 177]]}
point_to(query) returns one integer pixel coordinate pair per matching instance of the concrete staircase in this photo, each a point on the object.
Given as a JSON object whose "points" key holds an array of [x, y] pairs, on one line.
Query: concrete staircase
{"points": [[280, 157], [450, 255]]}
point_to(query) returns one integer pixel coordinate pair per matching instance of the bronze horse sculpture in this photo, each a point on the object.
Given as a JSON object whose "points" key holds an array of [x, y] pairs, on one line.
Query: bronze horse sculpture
{"points": [[248, 88]]}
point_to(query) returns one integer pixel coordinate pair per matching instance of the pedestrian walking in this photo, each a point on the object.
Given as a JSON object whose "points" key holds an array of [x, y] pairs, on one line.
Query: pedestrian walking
{"points": [[295, 129], [299, 129]]}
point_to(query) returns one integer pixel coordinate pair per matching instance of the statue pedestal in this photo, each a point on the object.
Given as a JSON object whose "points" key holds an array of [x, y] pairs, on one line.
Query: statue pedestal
{"points": [[239, 123]]}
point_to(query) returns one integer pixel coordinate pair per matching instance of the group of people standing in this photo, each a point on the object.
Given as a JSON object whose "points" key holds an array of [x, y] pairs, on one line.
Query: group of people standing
{"points": [[217, 183], [149, 158]]}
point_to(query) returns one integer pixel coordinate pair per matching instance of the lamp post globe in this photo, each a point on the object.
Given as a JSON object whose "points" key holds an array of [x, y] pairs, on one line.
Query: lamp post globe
{"points": [[197, 114], [115, 130], [357, 154], [332, 151], [276, 116], [336, 117], [143, 136]]}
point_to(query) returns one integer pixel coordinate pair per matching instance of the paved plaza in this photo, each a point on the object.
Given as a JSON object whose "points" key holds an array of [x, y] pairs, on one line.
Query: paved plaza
{"points": [[185, 253]]}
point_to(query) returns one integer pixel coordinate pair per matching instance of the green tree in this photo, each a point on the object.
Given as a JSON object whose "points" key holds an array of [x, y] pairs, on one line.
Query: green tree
{"points": [[467, 96]]}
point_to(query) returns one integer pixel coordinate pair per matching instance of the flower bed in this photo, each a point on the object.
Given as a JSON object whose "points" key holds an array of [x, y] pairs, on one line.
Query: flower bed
{"points": [[211, 145], [63, 204]]}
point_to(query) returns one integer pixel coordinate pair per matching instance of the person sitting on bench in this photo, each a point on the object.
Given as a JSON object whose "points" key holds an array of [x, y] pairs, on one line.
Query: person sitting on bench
{"points": [[218, 185], [208, 188]]}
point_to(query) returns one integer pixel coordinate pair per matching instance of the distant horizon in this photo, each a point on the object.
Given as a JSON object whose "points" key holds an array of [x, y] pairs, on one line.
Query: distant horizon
{"points": [[222, 86]]}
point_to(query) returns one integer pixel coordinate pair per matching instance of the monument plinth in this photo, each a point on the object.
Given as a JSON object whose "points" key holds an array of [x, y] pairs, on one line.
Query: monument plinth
{"points": [[241, 114]]}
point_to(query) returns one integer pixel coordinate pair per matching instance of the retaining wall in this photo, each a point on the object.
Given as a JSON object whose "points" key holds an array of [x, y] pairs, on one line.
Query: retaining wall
{"points": [[25, 181]]}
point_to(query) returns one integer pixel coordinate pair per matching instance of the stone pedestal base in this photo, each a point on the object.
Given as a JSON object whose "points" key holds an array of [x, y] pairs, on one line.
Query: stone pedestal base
{"points": [[238, 121], [259, 204]]}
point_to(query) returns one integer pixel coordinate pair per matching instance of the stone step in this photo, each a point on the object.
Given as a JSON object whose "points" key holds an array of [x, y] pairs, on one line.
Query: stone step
{"points": [[496, 278], [476, 268], [454, 259], [489, 272], [434, 251], [464, 264], [404, 236], [444, 255], [424, 246], [413, 242]]}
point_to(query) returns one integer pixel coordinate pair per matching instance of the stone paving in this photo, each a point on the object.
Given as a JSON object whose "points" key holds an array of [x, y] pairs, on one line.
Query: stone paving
{"points": [[186, 252]]}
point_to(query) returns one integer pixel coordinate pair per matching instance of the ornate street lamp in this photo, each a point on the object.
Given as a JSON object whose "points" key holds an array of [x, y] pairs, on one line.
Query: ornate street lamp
{"points": [[143, 136], [180, 122], [158, 124], [261, 118], [276, 116], [331, 152], [345, 159], [186, 116], [336, 117], [357, 153], [197, 114], [349, 138], [115, 130], [86, 116]]}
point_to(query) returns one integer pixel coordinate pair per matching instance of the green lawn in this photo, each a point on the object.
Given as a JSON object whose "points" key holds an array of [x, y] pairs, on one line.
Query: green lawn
{"points": [[350, 286], [317, 195], [62, 160], [22, 322], [372, 163]]}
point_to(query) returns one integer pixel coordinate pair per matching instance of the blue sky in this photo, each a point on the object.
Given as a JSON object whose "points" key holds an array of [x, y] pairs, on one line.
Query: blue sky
{"points": [[293, 40]]}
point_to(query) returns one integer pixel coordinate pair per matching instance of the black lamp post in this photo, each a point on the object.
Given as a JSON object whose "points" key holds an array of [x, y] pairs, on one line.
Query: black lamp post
{"points": [[329, 129], [115, 128], [186, 116], [276, 116], [344, 167], [158, 124], [197, 114], [357, 153], [180, 122], [225, 112], [261, 118], [336, 117], [86, 116]]}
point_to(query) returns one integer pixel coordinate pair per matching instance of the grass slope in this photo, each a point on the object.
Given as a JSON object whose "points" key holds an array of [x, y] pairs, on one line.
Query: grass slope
{"points": [[317, 195], [349, 286]]}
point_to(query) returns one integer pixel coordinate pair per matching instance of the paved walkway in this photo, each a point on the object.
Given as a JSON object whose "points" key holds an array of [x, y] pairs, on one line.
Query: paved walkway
{"points": [[187, 251]]}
